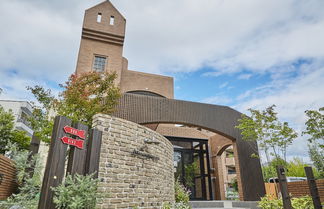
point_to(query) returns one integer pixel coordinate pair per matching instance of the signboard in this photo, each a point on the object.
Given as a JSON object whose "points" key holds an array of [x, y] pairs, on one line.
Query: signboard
{"points": [[74, 142], [74, 131]]}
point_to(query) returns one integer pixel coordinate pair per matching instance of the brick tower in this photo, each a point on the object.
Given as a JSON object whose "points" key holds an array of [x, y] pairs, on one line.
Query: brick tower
{"points": [[102, 40]]}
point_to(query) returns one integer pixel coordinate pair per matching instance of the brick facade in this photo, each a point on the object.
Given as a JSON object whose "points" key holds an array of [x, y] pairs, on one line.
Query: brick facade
{"points": [[131, 179], [300, 188]]}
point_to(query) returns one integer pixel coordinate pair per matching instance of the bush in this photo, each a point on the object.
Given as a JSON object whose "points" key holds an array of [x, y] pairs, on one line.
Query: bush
{"points": [[181, 193], [76, 192], [29, 186], [177, 205], [297, 203]]}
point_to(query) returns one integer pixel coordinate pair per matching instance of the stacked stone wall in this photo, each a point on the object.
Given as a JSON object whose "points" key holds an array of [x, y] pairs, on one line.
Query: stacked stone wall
{"points": [[133, 173]]}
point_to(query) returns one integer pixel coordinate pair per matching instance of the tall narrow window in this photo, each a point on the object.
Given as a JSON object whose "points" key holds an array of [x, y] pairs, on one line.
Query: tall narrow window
{"points": [[99, 17], [99, 63], [112, 20]]}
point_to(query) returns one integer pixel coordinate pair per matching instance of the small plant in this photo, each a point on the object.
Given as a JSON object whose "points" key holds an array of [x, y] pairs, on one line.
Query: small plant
{"points": [[181, 193], [268, 202], [302, 203], [177, 205], [76, 192]]}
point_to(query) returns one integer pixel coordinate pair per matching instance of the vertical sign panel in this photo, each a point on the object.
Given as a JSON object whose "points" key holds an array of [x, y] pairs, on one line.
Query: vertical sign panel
{"points": [[93, 152]]}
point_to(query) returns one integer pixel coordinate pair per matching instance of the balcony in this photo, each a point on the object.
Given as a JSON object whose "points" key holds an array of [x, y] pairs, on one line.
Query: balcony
{"points": [[229, 161]]}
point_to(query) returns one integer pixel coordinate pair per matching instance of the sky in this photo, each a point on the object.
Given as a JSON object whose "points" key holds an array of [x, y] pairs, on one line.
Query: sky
{"points": [[243, 54]]}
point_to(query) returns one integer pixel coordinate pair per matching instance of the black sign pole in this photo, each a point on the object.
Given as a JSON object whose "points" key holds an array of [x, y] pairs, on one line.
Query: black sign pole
{"points": [[313, 187], [284, 187]]}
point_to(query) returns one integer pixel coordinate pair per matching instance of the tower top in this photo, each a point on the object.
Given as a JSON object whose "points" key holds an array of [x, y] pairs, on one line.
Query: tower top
{"points": [[105, 18]]}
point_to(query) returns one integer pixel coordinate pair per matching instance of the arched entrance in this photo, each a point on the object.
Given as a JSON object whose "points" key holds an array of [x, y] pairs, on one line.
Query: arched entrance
{"points": [[218, 119]]}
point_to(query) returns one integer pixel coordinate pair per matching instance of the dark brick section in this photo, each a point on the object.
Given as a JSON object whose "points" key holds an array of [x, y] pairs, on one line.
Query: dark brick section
{"points": [[300, 188]]}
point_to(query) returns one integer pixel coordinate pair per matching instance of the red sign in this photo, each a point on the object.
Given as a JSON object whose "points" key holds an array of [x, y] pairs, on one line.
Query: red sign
{"points": [[74, 131], [74, 142]]}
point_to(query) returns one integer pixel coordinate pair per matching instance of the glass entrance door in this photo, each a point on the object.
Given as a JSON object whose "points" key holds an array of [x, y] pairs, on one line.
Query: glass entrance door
{"points": [[191, 164]]}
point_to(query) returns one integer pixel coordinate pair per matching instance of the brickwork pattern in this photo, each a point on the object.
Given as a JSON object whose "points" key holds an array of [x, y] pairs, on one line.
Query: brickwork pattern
{"points": [[129, 180], [300, 188], [8, 173]]}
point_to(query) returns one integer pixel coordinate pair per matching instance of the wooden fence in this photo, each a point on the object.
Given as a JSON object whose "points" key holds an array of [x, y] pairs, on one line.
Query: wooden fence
{"points": [[8, 183], [296, 189]]}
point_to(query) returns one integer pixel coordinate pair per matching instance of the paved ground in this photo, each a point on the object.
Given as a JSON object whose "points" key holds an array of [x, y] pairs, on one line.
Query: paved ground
{"points": [[224, 204]]}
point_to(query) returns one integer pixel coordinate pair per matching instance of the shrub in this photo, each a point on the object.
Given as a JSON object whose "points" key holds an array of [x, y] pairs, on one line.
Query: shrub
{"points": [[302, 203], [177, 205], [181, 193], [29, 186], [297, 203], [76, 192]]}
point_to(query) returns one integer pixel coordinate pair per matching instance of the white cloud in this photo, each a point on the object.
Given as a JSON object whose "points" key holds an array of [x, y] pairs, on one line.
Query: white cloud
{"points": [[223, 85], [292, 97], [218, 99], [245, 76]]}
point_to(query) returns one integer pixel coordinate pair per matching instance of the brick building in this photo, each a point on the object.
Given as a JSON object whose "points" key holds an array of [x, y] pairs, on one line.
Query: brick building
{"points": [[200, 133]]}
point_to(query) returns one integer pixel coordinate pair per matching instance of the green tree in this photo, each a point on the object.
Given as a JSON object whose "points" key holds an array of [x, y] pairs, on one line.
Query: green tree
{"points": [[9, 134], [82, 97], [6, 127], [264, 127], [315, 131], [315, 126], [269, 170], [317, 157]]}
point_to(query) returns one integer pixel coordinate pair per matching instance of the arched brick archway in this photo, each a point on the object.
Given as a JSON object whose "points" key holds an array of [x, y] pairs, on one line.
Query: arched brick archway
{"points": [[219, 119]]}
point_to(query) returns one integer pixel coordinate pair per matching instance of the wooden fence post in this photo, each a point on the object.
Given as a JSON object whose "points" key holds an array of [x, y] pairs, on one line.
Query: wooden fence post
{"points": [[313, 187], [283, 187], [93, 152], [54, 171], [33, 150]]}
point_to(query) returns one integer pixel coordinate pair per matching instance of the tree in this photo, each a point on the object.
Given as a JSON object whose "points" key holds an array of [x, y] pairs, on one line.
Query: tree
{"points": [[6, 127], [83, 97], [273, 136], [315, 131], [9, 134], [315, 126], [317, 157], [88, 94]]}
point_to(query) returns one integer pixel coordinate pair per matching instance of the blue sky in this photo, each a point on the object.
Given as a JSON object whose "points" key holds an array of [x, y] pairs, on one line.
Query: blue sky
{"points": [[244, 54]]}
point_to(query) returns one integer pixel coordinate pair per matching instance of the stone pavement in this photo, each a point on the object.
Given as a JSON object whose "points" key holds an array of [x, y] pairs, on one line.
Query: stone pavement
{"points": [[226, 204]]}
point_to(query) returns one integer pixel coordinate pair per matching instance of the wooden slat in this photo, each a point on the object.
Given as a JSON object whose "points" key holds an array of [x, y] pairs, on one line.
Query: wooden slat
{"points": [[54, 171], [93, 153], [8, 185]]}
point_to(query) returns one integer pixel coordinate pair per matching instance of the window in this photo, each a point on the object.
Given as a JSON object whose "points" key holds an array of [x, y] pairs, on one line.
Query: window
{"points": [[231, 171], [99, 63], [112, 20], [99, 17]]}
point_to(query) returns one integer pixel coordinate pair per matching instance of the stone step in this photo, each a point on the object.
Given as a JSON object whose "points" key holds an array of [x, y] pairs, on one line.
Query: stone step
{"points": [[224, 204], [223, 208]]}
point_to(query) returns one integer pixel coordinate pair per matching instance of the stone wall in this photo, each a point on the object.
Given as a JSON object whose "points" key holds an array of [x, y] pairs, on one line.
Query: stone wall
{"points": [[132, 172]]}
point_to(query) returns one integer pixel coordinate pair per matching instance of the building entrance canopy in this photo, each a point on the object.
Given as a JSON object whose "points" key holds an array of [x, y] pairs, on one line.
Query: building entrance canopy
{"points": [[219, 119]]}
